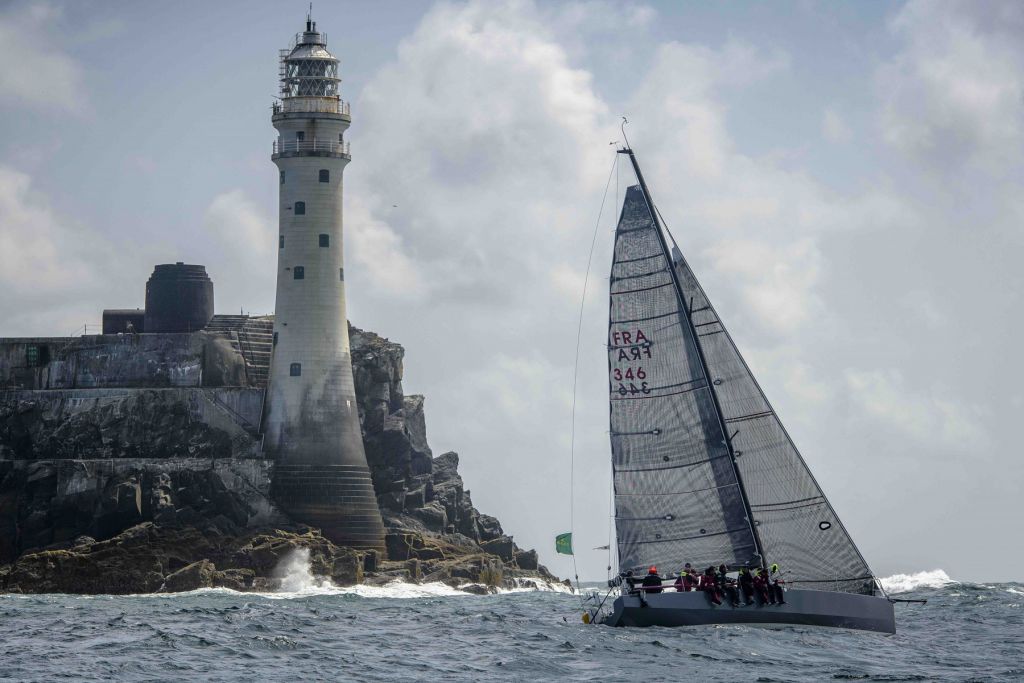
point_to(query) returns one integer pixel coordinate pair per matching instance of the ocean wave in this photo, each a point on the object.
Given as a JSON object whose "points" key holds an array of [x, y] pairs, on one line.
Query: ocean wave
{"points": [[298, 581], [903, 583], [393, 590]]}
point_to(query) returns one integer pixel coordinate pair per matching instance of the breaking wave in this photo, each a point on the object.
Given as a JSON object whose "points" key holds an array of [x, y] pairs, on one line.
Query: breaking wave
{"points": [[903, 583], [298, 581]]}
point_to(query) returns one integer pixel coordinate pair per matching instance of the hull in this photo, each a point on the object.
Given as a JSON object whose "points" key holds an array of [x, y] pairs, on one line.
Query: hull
{"points": [[810, 608]]}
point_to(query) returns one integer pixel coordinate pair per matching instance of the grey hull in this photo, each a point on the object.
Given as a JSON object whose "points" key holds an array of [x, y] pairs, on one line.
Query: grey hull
{"points": [[812, 608]]}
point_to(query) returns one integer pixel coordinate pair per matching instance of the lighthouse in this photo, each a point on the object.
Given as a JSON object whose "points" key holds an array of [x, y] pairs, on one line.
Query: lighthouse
{"points": [[311, 420]]}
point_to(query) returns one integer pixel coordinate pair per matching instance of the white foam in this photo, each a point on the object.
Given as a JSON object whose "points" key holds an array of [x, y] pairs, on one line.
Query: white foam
{"points": [[297, 581], [533, 585], [902, 583]]}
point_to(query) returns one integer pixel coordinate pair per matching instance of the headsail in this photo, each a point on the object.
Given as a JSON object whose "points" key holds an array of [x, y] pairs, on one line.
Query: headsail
{"points": [[796, 524], [677, 495]]}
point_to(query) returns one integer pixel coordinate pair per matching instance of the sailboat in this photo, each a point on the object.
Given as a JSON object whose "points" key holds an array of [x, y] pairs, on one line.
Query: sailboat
{"points": [[704, 471]]}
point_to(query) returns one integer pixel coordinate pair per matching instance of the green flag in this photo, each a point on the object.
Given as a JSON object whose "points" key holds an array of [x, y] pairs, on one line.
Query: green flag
{"points": [[563, 544]]}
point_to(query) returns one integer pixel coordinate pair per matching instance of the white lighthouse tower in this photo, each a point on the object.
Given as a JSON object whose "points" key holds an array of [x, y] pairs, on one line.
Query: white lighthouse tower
{"points": [[311, 423]]}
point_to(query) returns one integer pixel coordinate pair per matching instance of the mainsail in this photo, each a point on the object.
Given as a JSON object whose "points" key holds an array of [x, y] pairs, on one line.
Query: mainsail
{"points": [[677, 495], [704, 471]]}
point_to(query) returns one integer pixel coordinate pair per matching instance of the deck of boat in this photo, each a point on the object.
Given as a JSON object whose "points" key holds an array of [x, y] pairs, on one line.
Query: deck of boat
{"points": [[812, 608]]}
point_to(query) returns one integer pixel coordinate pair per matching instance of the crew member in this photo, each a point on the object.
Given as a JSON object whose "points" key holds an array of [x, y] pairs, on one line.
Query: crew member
{"points": [[747, 586], [775, 582], [690, 580], [727, 586], [761, 586], [709, 584], [652, 582]]}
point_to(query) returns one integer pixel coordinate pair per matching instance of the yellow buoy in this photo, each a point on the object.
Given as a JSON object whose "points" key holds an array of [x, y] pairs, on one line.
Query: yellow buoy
{"points": [[586, 617]]}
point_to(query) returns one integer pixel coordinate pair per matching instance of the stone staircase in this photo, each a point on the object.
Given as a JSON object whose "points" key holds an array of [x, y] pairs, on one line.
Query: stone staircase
{"points": [[254, 339]]}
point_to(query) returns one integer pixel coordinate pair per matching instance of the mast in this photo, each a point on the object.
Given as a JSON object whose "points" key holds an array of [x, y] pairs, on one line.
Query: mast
{"points": [[700, 352]]}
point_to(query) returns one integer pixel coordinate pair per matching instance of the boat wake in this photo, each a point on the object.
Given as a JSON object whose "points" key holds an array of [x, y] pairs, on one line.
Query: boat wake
{"points": [[904, 583]]}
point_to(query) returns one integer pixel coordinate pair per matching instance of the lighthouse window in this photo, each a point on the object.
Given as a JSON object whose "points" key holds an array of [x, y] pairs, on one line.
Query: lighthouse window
{"points": [[32, 356], [275, 339], [295, 370], [325, 240], [299, 273], [341, 137], [282, 177], [280, 242], [300, 208], [300, 135], [325, 175], [341, 274]]}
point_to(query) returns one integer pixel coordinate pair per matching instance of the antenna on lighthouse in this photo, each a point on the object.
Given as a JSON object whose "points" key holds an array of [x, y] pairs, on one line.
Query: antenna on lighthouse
{"points": [[310, 26]]}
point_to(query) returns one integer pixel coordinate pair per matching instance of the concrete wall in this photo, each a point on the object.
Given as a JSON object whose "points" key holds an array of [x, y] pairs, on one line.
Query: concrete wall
{"points": [[143, 360]]}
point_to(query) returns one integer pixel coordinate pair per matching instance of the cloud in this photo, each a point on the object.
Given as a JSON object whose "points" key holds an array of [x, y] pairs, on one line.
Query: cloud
{"points": [[954, 92], [37, 73], [833, 127], [244, 242], [778, 284], [44, 259], [934, 417]]}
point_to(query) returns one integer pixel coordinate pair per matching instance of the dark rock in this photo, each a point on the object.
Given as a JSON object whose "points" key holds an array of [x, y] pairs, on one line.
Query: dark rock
{"points": [[527, 559], [235, 579], [370, 561], [502, 547], [433, 517], [490, 527], [398, 545], [348, 568], [416, 499], [414, 569], [191, 577], [478, 589]]}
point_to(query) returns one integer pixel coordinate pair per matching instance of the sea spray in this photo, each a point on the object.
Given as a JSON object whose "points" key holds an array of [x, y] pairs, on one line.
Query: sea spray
{"points": [[903, 583], [296, 575]]}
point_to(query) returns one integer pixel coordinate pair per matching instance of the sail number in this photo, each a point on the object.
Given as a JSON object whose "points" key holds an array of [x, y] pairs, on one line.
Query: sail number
{"points": [[633, 389], [628, 374], [632, 345]]}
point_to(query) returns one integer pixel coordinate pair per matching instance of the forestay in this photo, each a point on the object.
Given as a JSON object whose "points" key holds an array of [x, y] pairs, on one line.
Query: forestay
{"points": [[797, 526], [677, 495]]}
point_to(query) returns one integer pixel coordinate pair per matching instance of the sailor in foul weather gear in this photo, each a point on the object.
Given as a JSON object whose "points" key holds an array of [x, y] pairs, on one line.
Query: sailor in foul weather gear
{"points": [[709, 584], [652, 582], [775, 582], [691, 581], [727, 586], [747, 586], [761, 586]]}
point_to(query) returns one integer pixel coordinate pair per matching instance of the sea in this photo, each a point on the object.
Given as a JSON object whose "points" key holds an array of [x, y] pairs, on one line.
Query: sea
{"points": [[313, 631]]}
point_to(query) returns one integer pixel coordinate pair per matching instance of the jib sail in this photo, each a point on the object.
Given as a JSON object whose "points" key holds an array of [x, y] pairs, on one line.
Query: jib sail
{"points": [[795, 522]]}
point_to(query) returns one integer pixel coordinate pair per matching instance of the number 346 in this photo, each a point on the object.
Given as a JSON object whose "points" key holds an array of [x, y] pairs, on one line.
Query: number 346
{"points": [[629, 374]]}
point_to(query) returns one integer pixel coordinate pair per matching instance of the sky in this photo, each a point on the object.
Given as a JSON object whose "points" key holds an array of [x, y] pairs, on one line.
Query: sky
{"points": [[844, 179]]}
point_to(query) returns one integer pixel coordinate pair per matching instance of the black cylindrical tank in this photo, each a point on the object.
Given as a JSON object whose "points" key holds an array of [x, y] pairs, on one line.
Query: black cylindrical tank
{"points": [[179, 298]]}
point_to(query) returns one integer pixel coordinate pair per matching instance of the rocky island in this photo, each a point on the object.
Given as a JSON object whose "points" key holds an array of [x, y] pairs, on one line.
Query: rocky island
{"points": [[131, 463]]}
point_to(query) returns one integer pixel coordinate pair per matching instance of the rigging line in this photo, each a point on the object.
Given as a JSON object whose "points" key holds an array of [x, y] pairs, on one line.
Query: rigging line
{"points": [[576, 372]]}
